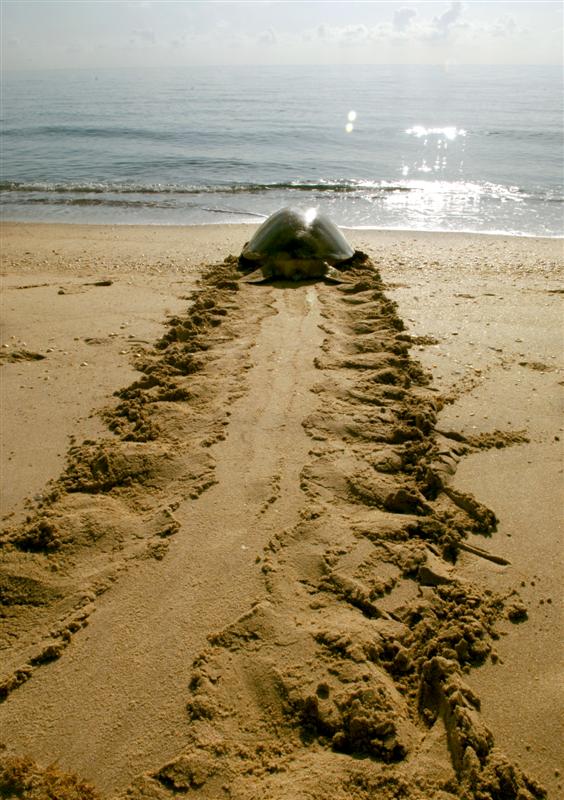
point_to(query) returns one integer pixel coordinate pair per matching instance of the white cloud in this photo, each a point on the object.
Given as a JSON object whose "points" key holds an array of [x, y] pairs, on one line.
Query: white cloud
{"points": [[267, 37], [403, 17], [177, 42], [409, 27], [344, 35], [505, 26], [354, 34], [141, 32], [145, 35], [444, 23], [406, 26]]}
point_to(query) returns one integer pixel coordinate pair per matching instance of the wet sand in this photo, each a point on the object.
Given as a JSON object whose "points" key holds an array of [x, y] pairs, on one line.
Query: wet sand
{"points": [[260, 572]]}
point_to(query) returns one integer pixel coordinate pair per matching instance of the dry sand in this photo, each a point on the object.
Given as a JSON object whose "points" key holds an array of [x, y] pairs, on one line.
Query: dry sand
{"points": [[265, 569]]}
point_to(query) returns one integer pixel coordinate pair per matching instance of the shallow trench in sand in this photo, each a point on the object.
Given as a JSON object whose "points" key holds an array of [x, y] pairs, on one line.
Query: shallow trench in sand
{"points": [[114, 705]]}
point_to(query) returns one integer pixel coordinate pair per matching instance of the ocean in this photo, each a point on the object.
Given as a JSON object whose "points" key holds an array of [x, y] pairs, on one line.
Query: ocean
{"points": [[392, 147]]}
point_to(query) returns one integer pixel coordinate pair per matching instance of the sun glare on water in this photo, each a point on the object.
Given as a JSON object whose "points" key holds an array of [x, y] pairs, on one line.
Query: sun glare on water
{"points": [[351, 116], [433, 145], [448, 132]]}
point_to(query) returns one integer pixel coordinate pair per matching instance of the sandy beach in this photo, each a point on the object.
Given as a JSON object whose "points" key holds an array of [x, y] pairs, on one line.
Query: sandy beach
{"points": [[281, 541]]}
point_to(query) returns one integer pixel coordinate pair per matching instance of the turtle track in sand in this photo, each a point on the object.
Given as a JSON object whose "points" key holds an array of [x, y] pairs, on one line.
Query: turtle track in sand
{"points": [[344, 674], [114, 504]]}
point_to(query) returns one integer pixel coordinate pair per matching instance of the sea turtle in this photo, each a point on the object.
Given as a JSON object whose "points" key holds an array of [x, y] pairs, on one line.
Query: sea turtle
{"points": [[296, 244]]}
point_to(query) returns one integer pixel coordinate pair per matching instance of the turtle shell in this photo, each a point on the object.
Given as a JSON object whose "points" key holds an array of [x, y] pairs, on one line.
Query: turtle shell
{"points": [[300, 234]]}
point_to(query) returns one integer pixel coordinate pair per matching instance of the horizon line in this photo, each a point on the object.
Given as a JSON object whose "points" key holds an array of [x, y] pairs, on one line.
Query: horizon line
{"points": [[440, 64]]}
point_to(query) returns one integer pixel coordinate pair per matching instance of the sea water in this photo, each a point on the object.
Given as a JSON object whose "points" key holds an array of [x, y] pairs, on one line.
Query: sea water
{"points": [[399, 147]]}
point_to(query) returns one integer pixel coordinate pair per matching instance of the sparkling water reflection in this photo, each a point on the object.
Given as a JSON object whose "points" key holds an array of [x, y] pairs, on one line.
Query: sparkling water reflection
{"points": [[386, 147], [432, 155]]}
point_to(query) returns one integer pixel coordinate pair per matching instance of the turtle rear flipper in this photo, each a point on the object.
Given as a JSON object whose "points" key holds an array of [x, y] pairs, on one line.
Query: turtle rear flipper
{"points": [[258, 276], [332, 275]]}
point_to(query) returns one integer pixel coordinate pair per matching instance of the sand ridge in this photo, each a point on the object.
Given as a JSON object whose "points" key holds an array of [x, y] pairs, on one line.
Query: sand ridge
{"points": [[360, 633]]}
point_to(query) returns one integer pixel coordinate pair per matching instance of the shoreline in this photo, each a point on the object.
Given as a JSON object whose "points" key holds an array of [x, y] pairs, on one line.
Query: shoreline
{"points": [[255, 223], [485, 321], [184, 248]]}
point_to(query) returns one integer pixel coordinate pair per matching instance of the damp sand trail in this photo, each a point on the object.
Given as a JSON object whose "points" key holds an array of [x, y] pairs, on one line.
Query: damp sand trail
{"points": [[334, 544]]}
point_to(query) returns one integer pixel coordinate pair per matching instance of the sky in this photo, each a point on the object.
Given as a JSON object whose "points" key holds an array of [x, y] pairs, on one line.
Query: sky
{"points": [[130, 33]]}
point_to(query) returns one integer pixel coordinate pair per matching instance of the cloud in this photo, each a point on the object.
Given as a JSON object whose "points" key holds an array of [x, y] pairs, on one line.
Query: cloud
{"points": [[345, 35], [505, 26], [406, 26], [409, 27], [440, 28], [403, 17], [267, 37], [145, 35], [442, 24], [354, 34]]}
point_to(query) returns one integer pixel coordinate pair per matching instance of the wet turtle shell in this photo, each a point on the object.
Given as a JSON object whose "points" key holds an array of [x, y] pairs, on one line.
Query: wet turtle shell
{"points": [[296, 244]]}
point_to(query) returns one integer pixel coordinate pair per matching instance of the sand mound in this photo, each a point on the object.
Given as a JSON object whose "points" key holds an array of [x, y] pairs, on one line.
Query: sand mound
{"points": [[22, 778]]}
